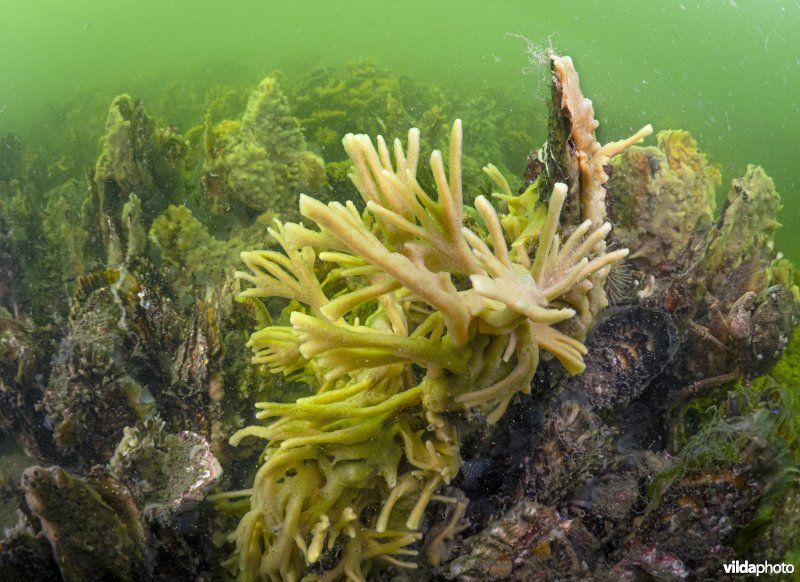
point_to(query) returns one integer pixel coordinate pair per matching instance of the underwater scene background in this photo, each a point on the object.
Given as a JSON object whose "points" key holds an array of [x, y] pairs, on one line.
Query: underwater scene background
{"points": [[545, 329]]}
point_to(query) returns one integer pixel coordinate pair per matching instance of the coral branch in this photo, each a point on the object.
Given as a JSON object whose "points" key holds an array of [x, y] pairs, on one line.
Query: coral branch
{"points": [[431, 318]]}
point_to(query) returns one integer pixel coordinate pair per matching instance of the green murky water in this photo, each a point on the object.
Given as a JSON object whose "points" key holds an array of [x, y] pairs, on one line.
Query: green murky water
{"points": [[729, 71]]}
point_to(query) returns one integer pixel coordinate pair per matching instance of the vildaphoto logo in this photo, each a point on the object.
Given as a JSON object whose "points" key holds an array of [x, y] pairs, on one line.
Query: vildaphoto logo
{"points": [[737, 567]]}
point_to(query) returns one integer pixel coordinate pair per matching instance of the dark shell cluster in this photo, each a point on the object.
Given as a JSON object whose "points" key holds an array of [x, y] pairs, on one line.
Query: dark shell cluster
{"points": [[675, 451], [627, 350]]}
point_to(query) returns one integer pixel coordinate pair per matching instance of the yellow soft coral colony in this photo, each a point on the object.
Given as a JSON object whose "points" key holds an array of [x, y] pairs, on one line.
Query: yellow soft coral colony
{"points": [[416, 317]]}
